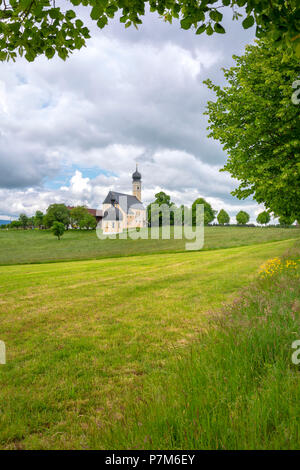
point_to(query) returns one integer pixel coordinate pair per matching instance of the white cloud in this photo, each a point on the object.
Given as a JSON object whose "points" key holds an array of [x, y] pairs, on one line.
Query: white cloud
{"points": [[129, 96]]}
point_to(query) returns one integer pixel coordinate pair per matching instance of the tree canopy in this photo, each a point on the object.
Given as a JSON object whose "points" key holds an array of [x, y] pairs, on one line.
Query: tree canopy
{"points": [[23, 219], [57, 213], [258, 124], [286, 221], [88, 222], [153, 214], [38, 218], [34, 27], [263, 218], [77, 214], [58, 229], [242, 218], [209, 212], [223, 217]]}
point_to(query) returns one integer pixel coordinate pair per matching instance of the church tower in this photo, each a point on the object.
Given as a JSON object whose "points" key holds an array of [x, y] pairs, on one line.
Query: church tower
{"points": [[137, 184]]}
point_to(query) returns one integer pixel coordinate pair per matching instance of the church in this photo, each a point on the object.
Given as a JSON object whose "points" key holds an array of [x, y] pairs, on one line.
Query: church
{"points": [[124, 211]]}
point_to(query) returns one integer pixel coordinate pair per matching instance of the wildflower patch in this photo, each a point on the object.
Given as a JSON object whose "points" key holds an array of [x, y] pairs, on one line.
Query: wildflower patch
{"points": [[276, 266]]}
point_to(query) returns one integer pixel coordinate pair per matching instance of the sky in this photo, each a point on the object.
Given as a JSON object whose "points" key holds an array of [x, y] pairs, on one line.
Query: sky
{"points": [[71, 131]]}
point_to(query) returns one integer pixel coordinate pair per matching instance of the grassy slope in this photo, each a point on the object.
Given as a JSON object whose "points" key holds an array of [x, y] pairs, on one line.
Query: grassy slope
{"points": [[82, 336], [18, 246], [236, 388]]}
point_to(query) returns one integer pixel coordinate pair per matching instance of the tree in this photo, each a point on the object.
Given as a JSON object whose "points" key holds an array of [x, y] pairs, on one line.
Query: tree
{"points": [[77, 214], [286, 221], [263, 218], [45, 27], [223, 217], [23, 219], [88, 222], [242, 218], [38, 219], [258, 124], [154, 214], [162, 198], [58, 229], [209, 213], [15, 224], [57, 213]]}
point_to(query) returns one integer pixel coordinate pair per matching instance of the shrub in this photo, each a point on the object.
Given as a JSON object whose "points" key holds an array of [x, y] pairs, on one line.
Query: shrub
{"points": [[58, 229]]}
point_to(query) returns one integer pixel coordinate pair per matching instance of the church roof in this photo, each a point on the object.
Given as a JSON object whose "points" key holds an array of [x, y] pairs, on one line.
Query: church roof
{"points": [[126, 201], [136, 176]]}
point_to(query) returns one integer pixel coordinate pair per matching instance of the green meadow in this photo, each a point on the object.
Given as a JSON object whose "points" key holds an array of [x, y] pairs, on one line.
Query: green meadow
{"points": [[125, 352], [40, 246]]}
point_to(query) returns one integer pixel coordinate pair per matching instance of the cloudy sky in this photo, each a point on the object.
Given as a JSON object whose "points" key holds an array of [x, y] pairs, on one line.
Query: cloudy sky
{"points": [[70, 131]]}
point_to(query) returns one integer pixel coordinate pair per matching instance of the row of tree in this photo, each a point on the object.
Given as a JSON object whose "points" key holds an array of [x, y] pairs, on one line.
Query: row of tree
{"points": [[177, 214], [77, 217]]}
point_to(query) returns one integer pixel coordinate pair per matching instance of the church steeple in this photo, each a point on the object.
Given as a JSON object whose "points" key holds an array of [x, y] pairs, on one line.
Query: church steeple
{"points": [[137, 184]]}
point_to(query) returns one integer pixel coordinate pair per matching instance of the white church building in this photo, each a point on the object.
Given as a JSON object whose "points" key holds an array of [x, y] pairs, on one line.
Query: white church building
{"points": [[124, 211]]}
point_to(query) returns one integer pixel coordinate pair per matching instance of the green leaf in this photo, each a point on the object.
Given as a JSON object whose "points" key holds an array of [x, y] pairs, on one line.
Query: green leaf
{"points": [[248, 22], [102, 21], [186, 23], [216, 16], [30, 56], [96, 12], [70, 14], [209, 30], [63, 53], [219, 29], [201, 29], [79, 24], [50, 51]]}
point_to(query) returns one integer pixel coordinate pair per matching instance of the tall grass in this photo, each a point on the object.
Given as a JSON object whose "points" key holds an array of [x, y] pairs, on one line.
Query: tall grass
{"points": [[237, 387]]}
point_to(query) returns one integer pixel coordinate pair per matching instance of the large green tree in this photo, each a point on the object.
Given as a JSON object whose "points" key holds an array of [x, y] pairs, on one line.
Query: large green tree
{"points": [[38, 219], [57, 213], [34, 27], [88, 222], [209, 212], [223, 217], [154, 215], [263, 218], [258, 124], [23, 219], [77, 214], [242, 218]]}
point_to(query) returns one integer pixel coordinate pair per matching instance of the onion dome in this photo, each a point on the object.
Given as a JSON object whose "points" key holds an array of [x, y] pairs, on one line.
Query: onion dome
{"points": [[136, 176]]}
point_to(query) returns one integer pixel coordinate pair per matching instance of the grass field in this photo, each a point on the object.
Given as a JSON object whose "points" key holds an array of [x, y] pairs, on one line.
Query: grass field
{"points": [[236, 387], [39, 246], [84, 338]]}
